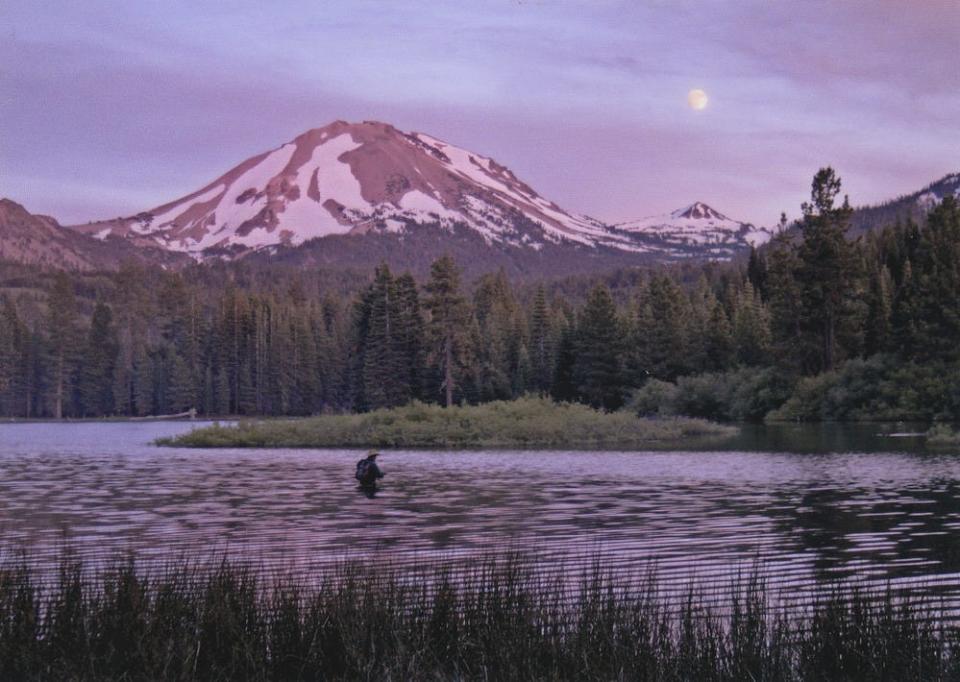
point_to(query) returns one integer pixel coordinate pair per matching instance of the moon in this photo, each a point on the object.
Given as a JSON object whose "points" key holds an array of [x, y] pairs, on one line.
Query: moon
{"points": [[697, 99]]}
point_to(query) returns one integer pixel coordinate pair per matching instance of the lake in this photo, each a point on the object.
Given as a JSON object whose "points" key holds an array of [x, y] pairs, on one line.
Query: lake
{"points": [[809, 503]]}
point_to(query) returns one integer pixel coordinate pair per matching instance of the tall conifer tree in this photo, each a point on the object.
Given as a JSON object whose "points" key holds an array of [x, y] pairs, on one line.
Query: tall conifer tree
{"points": [[540, 347], [599, 368], [98, 365], [448, 325], [827, 272], [61, 323]]}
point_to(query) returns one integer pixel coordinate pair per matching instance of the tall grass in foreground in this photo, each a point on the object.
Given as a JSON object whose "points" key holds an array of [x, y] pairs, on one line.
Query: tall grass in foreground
{"points": [[527, 422], [496, 619]]}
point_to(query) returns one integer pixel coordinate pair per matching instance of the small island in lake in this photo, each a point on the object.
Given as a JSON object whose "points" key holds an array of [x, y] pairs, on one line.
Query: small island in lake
{"points": [[523, 423]]}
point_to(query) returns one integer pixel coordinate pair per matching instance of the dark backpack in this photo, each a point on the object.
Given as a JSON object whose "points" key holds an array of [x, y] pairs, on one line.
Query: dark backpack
{"points": [[363, 470]]}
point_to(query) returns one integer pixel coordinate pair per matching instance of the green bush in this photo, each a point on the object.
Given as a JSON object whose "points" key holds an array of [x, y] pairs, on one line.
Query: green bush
{"points": [[527, 422], [654, 398], [745, 394], [757, 392], [877, 388], [808, 400]]}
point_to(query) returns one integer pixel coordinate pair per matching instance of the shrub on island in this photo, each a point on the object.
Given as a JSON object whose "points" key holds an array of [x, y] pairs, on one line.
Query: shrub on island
{"points": [[526, 423]]}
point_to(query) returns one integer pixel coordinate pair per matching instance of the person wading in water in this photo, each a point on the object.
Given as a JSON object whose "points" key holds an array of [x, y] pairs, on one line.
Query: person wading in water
{"points": [[368, 472]]}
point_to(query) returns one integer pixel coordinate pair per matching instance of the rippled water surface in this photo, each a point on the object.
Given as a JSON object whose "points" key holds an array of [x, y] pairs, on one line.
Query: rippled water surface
{"points": [[807, 515]]}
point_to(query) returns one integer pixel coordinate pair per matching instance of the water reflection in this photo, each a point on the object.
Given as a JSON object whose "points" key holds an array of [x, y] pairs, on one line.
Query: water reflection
{"points": [[829, 438], [368, 491], [882, 513]]}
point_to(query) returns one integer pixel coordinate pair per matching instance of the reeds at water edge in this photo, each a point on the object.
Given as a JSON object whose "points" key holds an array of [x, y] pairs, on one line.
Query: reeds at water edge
{"points": [[496, 618]]}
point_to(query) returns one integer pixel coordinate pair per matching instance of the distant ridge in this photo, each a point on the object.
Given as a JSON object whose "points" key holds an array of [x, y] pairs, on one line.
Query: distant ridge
{"points": [[698, 229], [40, 240], [914, 206], [358, 192], [348, 195]]}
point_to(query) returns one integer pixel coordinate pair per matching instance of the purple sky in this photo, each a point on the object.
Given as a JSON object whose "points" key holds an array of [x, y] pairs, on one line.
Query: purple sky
{"points": [[108, 108]]}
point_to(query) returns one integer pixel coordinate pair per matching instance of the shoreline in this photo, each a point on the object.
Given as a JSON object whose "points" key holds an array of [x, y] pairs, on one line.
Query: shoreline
{"points": [[529, 423]]}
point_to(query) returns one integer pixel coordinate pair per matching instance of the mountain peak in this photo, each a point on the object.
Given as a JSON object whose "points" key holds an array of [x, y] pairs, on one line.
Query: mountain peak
{"points": [[697, 228], [353, 178], [699, 211]]}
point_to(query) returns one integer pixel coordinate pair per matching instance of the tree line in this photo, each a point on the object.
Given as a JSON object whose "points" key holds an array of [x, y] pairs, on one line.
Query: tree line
{"points": [[811, 318]]}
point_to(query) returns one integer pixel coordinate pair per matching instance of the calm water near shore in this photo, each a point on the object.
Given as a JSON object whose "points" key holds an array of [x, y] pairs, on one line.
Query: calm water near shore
{"points": [[811, 503]]}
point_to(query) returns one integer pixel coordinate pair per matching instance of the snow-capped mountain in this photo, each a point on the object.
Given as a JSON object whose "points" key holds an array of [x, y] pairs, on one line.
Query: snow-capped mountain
{"points": [[353, 194], [697, 229], [352, 179]]}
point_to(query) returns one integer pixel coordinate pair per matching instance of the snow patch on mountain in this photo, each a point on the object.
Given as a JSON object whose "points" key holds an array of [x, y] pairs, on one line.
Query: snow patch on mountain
{"points": [[305, 217], [419, 204], [239, 204]]}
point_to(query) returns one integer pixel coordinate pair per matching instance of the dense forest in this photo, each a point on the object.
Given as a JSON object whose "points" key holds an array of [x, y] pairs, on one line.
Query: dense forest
{"points": [[815, 326]]}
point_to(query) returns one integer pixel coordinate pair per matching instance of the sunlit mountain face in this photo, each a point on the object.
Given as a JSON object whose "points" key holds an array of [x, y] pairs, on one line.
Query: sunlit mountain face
{"points": [[353, 194]]}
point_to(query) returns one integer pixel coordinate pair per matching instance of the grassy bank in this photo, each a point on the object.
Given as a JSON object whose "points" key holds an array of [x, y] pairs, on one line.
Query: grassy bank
{"points": [[496, 620], [524, 423]]}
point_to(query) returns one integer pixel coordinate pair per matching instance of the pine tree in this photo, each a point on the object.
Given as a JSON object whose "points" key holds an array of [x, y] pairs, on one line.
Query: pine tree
{"points": [[449, 319], [331, 352], [927, 310], [305, 363], [540, 351], [35, 377], [719, 339], [667, 336], [133, 313], [61, 325], [500, 337], [598, 369], [380, 365], [827, 272], [234, 350], [564, 387], [880, 309], [182, 386], [143, 385], [757, 271], [408, 340], [783, 292], [523, 370], [751, 330], [388, 338], [639, 354], [702, 301], [11, 356], [98, 367]]}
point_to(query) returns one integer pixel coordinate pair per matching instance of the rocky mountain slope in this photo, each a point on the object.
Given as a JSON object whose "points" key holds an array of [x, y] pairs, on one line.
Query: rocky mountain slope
{"points": [[357, 179], [353, 193], [41, 240]]}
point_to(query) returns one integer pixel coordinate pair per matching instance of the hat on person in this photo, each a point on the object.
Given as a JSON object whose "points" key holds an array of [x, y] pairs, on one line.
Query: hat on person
{"points": [[372, 453]]}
